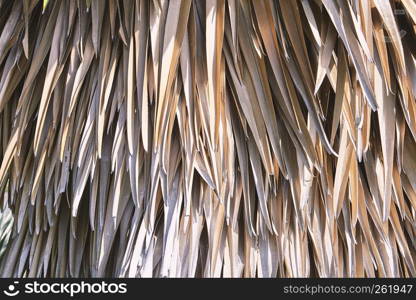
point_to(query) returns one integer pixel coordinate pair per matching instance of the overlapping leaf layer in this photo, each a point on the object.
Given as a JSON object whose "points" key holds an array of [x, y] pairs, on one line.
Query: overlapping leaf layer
{"points": [[234, 138]]}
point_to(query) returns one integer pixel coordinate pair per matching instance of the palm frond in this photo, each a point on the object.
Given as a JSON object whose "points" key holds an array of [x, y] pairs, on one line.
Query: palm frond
{"points": [[234, 138], [6, 223]]}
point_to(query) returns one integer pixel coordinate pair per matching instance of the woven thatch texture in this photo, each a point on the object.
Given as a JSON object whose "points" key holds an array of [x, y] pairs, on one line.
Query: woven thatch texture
{"points": [[208, 138]]}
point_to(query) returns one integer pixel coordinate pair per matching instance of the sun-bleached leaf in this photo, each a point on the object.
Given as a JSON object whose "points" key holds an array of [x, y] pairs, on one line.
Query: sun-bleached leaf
{"points": [[216, 138]]}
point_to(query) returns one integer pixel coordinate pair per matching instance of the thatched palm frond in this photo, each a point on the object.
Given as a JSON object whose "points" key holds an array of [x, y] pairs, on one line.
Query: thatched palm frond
{"points": [[6, 221], [209, 138]]}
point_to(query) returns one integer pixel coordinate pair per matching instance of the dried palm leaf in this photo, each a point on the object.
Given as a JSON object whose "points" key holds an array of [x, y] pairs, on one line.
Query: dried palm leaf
{"points": [[234, 138]]}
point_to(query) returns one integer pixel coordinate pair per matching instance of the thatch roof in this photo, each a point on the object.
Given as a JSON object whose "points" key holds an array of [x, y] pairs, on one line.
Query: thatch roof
{"points": [[209, 138]]}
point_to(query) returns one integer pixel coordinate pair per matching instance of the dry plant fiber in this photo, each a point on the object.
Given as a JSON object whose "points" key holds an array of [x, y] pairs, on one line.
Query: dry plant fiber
{"points": [[218, 138]]}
